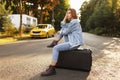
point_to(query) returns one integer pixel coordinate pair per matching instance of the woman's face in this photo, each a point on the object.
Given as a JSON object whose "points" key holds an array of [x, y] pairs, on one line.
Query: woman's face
{"points": [[69, 15]]}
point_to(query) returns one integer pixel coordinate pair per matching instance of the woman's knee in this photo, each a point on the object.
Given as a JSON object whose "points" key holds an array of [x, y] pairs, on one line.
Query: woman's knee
{"points": [[55, 47]]}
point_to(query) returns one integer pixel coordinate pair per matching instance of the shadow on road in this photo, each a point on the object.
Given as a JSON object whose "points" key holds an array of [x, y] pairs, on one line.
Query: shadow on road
{"points": [[64, 74]]}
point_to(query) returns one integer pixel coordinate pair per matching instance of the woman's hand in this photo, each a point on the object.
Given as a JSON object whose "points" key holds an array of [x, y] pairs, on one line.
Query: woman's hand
{"points": [[58, 32], [65, 18]]}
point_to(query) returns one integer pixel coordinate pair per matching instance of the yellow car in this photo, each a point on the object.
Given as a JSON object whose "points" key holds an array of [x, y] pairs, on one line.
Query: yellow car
{"points": [[43, 30]]}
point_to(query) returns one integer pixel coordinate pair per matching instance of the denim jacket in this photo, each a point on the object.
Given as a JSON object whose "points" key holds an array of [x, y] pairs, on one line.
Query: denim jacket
{"points": [[73, 31]]}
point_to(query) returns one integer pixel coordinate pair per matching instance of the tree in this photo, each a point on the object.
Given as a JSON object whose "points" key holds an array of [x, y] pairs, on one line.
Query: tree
{"points": [[45, 14], [84, 15], [87, 9], [5, 22], [4, 12], [20, 28], [45, 7], [101, 17], [116, 15], [60, 11]]}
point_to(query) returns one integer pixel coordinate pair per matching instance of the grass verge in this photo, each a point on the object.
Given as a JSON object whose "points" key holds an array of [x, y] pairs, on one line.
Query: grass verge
{"points": [[6, 40]]}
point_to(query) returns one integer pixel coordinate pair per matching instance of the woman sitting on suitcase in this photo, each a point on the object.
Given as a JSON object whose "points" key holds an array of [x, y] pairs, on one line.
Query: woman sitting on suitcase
{"points": [[72, 33]]}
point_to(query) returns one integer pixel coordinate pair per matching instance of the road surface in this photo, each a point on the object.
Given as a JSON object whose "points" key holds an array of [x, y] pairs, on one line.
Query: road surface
{"points": [[25, 60]]}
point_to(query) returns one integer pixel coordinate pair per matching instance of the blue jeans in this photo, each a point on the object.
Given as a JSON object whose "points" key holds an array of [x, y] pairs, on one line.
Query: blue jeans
{"points": [[61, 47]]}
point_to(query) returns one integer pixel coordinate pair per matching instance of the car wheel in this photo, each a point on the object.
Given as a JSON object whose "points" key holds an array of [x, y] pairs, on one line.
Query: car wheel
{"points": [[53, 35]]}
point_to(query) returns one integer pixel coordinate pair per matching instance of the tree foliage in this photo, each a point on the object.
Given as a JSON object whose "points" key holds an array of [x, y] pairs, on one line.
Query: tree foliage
{"points": [[44, 14], [60, 11], [101, 17], [4, 12], [5, 22], [46, 6]]}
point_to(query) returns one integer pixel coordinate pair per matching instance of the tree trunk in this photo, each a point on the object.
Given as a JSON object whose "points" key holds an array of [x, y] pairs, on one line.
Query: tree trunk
{"points": [[41, 15], [20, 28]]}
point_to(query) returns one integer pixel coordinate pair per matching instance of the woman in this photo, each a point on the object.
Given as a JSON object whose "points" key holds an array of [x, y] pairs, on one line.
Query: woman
{"points": [[72, 33]]}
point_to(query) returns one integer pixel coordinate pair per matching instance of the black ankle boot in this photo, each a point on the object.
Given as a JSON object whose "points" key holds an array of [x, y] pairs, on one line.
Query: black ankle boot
{"points": [[50, 71], [53, 43]]}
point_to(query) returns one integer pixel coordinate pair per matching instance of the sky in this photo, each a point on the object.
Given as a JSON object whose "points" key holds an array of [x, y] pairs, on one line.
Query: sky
{"points": [[76, 4]]}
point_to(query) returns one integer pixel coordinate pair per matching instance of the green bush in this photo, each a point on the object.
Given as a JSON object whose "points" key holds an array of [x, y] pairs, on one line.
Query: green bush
{"points": [[98, 31], [9, 29]]}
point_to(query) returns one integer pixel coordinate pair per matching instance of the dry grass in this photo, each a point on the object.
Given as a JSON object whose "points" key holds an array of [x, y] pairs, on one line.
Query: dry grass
{"points": [[13, 39], [7, 40]]}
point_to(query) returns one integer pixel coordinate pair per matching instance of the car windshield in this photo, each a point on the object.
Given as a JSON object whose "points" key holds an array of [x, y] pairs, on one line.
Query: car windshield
{"points": [[42, 26]]}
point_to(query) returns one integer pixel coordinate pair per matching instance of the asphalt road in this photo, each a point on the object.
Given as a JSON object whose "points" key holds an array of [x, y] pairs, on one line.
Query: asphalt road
{"points": [[25, 60]]}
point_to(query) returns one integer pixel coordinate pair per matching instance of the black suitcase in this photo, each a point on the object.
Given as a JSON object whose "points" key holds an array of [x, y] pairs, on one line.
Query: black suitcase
{"points": [[79, 59]]}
